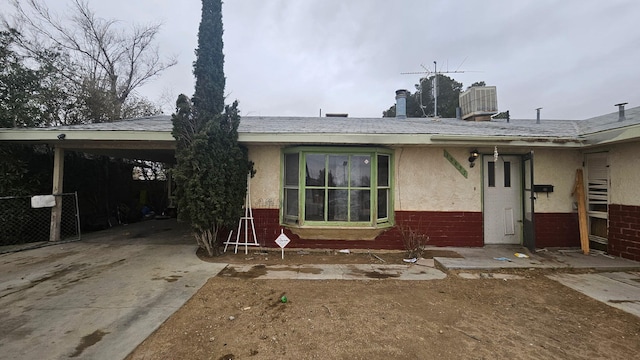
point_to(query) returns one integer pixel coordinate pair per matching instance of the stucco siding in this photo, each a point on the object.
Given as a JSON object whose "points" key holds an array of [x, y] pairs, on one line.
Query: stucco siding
{"points": [[426, 181], [624, 172], [265, 185], [557, 168]]}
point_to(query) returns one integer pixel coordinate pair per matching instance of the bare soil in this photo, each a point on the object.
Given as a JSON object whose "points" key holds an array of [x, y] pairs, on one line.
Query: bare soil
{"points": [[533, 318]]}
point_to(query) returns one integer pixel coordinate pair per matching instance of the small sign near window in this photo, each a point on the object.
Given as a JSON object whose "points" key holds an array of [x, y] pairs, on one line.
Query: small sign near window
{"points": [[282, 240], [456, 164]]}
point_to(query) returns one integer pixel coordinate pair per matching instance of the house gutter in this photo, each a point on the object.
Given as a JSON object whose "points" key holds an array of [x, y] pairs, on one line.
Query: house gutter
{"points": [[402, 139], [49, 135], [508, 140]]}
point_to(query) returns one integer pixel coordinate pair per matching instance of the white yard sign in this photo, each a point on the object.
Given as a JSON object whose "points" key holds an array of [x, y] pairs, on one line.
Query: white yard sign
{"points": [[282, 240]]}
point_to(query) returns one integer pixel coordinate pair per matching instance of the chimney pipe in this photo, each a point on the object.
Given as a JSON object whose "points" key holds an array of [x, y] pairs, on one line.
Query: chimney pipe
{"points": [[459, 113], [538, 115], [620, 106], [401, 104]]}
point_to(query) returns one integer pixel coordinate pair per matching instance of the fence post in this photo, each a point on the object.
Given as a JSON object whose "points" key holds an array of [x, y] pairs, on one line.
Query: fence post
{"points": [[56, 211]]}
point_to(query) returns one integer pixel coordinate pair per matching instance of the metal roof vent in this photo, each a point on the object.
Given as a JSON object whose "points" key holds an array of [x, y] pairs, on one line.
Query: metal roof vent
{"points": [[620, 106], [401, 104], [538, 115]]}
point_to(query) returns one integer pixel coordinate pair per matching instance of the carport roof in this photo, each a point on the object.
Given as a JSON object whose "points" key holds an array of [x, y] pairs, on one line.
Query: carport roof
{"points": [[151, 136]]}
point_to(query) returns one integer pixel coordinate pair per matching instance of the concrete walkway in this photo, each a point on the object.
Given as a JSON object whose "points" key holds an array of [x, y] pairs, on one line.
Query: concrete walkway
{"points": [[618, 289], [336, 272], [96, 299], [493, 257]]}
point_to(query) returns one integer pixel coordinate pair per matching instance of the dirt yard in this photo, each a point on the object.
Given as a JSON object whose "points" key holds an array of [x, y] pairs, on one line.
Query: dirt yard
{"points": [[244, 318]]}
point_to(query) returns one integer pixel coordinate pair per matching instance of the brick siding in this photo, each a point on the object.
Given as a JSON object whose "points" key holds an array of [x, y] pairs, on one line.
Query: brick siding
{"points": [[624, 231], [557, 230], [443, 229]]}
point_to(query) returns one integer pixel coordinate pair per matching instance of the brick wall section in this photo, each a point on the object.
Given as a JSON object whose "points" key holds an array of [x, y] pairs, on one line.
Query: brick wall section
{"points": [[624, 231], [557, 230], [443, 228], [268, 227]]}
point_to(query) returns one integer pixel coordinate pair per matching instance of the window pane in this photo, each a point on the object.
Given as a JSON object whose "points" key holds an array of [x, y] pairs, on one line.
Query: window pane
{"points": [[315, 169], [383, 170], [507, 174], [360, 170], [291, 202], [314, 205], [360, 210], [491, 171], [335, 187], [338, 205], [383, 208], [338, 170], [291, 167]]}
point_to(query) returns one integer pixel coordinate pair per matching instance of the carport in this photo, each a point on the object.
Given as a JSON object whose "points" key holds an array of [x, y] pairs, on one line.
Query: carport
{"points": [[146, 138]]}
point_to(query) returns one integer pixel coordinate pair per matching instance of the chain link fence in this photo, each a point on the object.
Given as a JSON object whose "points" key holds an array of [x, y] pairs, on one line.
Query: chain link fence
{"points": [[22, 223]]}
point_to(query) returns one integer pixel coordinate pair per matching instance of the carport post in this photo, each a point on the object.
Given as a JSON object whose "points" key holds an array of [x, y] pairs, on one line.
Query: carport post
{"points": [[56, 210]]}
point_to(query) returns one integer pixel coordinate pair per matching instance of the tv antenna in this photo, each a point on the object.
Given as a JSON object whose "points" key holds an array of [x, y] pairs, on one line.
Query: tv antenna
{"points": [[435, 72]]}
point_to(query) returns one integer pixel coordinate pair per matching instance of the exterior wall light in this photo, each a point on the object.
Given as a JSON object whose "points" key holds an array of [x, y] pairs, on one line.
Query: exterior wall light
{"points": [[473, 155], [62, 136]]}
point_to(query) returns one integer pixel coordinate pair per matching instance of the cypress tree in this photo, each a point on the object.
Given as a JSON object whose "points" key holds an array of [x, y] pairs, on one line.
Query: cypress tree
{"points": [[209, 65], [211, 170]]}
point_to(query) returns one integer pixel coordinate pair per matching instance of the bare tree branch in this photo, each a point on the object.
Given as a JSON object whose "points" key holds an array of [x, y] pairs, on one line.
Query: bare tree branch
{"points": [[101, 53]]}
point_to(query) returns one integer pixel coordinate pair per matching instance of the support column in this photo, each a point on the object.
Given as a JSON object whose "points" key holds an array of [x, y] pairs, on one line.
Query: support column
{"points": [[169, 187], [56, 211]]}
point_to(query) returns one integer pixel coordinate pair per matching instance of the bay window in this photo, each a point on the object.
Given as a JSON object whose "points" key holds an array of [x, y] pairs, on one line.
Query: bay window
{"points": [[336, 187]]}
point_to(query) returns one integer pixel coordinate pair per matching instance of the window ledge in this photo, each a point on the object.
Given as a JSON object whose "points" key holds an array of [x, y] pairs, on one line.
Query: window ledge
{"points": [[337, 233]]}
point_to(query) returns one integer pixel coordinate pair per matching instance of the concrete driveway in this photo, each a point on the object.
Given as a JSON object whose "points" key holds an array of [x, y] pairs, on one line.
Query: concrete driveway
{"points": [[100, 297]]}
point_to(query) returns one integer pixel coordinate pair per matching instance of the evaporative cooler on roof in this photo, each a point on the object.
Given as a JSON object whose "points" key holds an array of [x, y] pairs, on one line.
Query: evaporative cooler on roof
{"points": [[479, 103]]}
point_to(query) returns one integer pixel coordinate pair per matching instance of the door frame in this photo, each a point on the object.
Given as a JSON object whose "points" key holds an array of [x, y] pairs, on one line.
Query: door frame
{"points": [[528, 203]]}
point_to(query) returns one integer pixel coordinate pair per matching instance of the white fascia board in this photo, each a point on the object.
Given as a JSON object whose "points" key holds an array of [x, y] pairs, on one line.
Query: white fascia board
{"points": [[334, 138], [403, 139], [52, 135], [508, 140], [627, 134]]}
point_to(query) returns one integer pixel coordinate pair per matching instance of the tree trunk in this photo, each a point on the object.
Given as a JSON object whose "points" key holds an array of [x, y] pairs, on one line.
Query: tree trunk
{"points": [[208, 240]]}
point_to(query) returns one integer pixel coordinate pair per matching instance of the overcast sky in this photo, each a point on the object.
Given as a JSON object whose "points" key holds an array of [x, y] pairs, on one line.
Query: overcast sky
{"points": [[573, 58]]}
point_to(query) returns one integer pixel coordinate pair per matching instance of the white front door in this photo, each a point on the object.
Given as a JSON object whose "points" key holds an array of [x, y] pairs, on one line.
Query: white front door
{"points": [[502, 209]]}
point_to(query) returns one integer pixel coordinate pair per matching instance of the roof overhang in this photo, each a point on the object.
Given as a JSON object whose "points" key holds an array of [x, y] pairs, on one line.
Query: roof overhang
{"points": [[403, 139], [141, 145], [151, 138], [613, 136]]}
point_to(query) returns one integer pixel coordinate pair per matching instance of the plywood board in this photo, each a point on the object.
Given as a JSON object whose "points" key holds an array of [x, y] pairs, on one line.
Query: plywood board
{"points": [[578, 193]]}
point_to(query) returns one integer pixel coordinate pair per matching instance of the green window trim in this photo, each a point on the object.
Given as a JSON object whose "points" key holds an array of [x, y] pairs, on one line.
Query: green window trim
{"points": [[338, 187]]}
